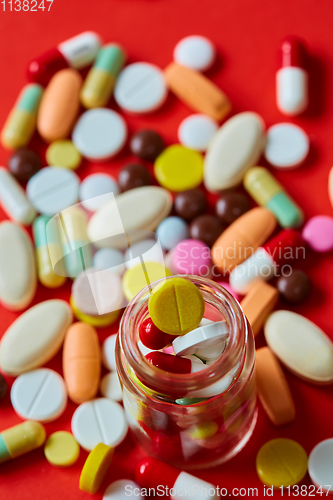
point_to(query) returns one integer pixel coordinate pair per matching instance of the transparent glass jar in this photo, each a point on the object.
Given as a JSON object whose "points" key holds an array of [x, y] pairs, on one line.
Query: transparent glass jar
{"points": [[208, 432]]}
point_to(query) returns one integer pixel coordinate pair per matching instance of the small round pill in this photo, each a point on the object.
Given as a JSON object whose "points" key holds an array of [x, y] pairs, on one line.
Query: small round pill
{"points": [[118, 490], [294, 288], [3, 386], [96, 190], [287, 145], [110, 387], [23, 164], [195, 52], [197, 131], [138, 277], [190, 204], [206, 228], [133, 176], [147, 145], [320, 466], [172, 231], [230, 206], [64, 154], [61, 449], [109, 258], [95, 468]]}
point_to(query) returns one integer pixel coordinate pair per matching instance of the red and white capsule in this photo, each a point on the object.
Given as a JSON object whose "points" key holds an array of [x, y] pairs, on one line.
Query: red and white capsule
{"points": [[292, 79], [174, 364]]}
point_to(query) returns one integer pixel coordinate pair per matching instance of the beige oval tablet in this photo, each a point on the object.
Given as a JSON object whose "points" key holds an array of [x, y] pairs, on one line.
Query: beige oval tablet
{"points": [[141, 208], [18, 278], [235, 147], [301, 345], [35, 337]]}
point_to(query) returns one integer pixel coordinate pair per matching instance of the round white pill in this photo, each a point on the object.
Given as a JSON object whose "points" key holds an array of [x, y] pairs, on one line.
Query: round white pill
{"points": [[202, 337], [172, 231], [140, 88], [108, 352], [109, 258], [100, 134], [110, 387], [122, 489], [320, 465], [147, 250], [53, 189], [197, 131], [287, 145], [99, 421], [195, 52], [39, 395], [96, 190]]}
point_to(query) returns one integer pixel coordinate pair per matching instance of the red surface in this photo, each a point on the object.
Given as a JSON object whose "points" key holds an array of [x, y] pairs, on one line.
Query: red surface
{"points": [[247, 36]]}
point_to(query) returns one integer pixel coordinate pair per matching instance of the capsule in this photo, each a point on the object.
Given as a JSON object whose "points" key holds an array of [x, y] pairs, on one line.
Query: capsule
{"points": [[269, 193], [21, 122], [21, 439], [14, 200], [44, 249], [99, 84], [76, 53], [292, 79]]}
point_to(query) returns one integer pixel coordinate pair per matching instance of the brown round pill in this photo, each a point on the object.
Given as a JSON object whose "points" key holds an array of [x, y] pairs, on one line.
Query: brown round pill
{"points": [[3, 386], [147, 145], [133, 176], [230, 206], [294, 288], [23, 164], [190, 204], [206, 228]]}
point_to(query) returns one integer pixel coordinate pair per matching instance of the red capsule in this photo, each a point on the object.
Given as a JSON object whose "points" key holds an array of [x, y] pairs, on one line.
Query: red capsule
{"points": [[292, 53], [152, 337], [169, 363]]}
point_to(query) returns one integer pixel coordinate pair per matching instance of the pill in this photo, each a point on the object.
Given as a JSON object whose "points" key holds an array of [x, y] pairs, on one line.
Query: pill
{"points": [[3, 387], [61, 449], [178, 168], [147, 145], [192, 257], [99, 421], [176, 306], [133, 176], [13, 199], [319, 466], [52, 190], [195, 52], [138, 277], [301, 346], [108, 352], [197, 92], [230, 206], [110, 387], [46, 251], [287, 145], [203, 431], [272, 388], [21, 122], [99, 134], [21, 439], [268, 192], [143, 349], [96, 190], [76, 52], [203, 337], [172, 231], [118, 490], [32, 339], [81, 362], [174, 364], [281, 462], [60, 105], [39, 395], [152, 337], [17, 267], [258, 303], [64, 154], [100, 321], [100, 81], [318, 233], [197, 131], [129, 211], [106, 258], [190, 204], [23, 164], [330, 185], [95, 468], [292, 79], [140, 88], [206, 228], [235, 147], [148, 250], [295, 287]]}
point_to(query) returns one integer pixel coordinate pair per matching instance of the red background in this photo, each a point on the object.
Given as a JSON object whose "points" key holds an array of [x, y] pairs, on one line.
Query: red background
{"points": [[247, 35]]}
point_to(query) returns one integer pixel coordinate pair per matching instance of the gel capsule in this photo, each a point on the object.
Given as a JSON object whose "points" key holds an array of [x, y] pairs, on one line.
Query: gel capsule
{"points": [[21, 439], [21, 122], [99, 84], [174, 364], [13, 199], [77, 52]]}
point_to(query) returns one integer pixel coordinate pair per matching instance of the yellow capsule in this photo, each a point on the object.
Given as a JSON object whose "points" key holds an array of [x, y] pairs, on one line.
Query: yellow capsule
{"points": [[204, 430], [21, 439]]}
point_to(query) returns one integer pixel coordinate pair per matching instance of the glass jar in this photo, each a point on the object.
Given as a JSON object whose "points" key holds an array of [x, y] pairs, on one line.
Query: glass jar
{"points": [[201, 431]]}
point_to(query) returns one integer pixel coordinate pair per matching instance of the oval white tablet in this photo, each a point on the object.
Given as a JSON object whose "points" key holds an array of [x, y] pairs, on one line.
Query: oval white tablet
{"points": [[147, 250], [99, 421], [110, 387], [99, 134], [18, 278], [236, 147], [301, 345], [53, 189], [196, 52], [96, 190], [39, 395], [109, 258], [35, 336], [197, 131], [122, 489], [320, 465], [287, 145], [108, 352], [202, 337], [140, 88], [13, 199]]}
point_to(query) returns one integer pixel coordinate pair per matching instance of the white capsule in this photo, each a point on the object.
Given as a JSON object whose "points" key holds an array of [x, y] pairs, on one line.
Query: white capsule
{"points": [[260, 266]]}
